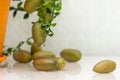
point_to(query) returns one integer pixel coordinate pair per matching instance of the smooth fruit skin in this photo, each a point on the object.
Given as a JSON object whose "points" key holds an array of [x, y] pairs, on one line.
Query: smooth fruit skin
{"points": [[60, 63], [22, 56], [44, 64], [32, 5], [38, 34], [71, 55], [105, 66], [35, 48], [43, 54]]}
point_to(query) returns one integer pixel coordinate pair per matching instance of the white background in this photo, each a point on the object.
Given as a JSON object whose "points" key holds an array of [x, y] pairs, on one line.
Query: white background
{"points": [[92, 26]]}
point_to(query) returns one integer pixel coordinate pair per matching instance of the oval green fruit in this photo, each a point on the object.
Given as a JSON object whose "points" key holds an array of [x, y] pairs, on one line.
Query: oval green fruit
{"points": [[43, 54], [71, 55], [44, 64], [38, 34], [104, 66], [22, 56], [32, 5], [60, 63], [35, 48]]}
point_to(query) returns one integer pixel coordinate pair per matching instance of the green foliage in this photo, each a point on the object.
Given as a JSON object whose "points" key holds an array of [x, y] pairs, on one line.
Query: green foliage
{"points": [[53, 8], [19, 8], [49, 8], [10, 50], [26, 15], [48, 11]]}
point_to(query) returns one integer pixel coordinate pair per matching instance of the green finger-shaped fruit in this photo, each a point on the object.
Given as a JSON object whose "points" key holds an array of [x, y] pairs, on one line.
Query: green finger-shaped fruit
{"points": [[71, 55], [38, 34], [22, 56], [44, 64], [32, 5], [104, 66], [60, 63], [35, 48], [43, 54]]}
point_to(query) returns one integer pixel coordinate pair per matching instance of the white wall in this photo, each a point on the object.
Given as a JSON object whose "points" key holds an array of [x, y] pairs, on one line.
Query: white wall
{"points": [[92, 26]]}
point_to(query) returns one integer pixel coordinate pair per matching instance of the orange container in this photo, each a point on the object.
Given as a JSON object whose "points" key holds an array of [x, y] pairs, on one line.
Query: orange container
{"points": [[4, 10]]}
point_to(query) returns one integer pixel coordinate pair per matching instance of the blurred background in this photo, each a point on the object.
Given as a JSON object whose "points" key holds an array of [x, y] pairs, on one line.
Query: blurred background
{"points": [[92, 26]]}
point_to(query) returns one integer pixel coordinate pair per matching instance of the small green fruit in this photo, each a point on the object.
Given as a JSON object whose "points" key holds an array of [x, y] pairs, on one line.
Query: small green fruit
{"points": [[35, 48], [45, 64], [32, 5], [105, 66], [71, 55], [60, 63], [22, 56], [43, 54], [38, 34]]}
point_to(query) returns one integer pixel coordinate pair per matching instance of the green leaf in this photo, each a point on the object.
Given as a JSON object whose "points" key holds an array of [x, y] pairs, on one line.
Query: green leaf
{"points": [[41, 20], [9, 50], [47, 32], [5, 53], [29, 42], [19, 45], [56, 14], [54, 24], [51, 35], [48, 10], [20, 9], [46, 3], [58, 6], [19, 4], [26, 16], [12, 8], [14, 13], [52, 3], [50, 32]]}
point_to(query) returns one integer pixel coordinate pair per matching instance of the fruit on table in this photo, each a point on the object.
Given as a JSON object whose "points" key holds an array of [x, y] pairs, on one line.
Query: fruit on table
{"points": [[22, 56], [32, 5], [60, 63], [43, 54], [71, 55], [104, 66], [35, 48], [44, 64], [38, 34]]}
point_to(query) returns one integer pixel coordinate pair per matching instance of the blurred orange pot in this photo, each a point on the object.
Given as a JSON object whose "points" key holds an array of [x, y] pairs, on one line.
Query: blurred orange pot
{"points": [[4, 10]]}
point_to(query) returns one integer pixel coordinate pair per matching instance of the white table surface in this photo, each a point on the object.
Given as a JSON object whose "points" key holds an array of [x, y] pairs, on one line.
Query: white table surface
{"points": [[81, 70]]}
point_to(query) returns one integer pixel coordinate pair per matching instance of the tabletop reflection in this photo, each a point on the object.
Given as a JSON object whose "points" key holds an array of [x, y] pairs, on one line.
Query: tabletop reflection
{"points": [[104, 77], [49, 75], [72, 68]]}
